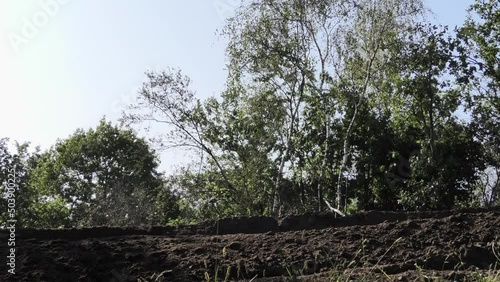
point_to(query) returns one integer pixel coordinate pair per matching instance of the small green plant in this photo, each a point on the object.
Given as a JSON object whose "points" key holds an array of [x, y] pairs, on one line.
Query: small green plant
{"points": [[207, 276], [289, 271], [227, 274], [353, 206]]}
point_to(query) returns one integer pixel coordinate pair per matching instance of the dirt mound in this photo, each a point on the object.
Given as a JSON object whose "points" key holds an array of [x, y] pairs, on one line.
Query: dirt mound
{"points": [[455, 245]]}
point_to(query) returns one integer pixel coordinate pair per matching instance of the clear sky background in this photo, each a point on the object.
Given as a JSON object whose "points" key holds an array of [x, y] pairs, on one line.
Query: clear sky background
{"points": [[64, 64]]}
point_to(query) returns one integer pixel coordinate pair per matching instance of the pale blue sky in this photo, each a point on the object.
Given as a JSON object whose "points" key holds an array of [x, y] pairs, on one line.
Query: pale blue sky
{"points": [[83, 59]]}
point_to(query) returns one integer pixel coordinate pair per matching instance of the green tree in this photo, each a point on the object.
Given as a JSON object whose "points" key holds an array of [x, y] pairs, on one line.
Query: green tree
{"points": [[349, 101], [426, 100], [320, 58], [107, 176], [477, 68], [33, 207]]}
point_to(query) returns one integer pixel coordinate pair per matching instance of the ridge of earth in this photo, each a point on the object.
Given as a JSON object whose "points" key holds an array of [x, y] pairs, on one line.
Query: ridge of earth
{"points": [[456, 245]]}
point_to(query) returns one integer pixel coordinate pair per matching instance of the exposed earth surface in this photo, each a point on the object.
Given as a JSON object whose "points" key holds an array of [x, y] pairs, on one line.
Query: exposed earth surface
{"points": [[462, 245]]}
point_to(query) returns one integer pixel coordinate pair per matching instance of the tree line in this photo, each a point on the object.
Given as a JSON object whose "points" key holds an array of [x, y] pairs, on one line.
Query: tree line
{"points": [[329, 104]]}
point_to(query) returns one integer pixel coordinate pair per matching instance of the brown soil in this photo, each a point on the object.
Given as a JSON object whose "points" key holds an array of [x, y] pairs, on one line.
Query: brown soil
{"points": [[453, 245]]}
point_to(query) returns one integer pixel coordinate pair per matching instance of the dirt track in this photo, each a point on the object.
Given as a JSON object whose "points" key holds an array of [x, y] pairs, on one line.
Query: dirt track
{"points": [[372, 246]]}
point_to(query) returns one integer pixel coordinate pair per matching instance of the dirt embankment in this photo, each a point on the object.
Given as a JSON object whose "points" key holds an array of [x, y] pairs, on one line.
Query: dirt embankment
{"points": [[454, 245]]}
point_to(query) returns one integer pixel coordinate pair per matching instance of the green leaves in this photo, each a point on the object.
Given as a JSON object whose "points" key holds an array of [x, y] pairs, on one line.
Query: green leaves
{"points": [[106, 176], [333, 99], [35, 206], [477, 66]]}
